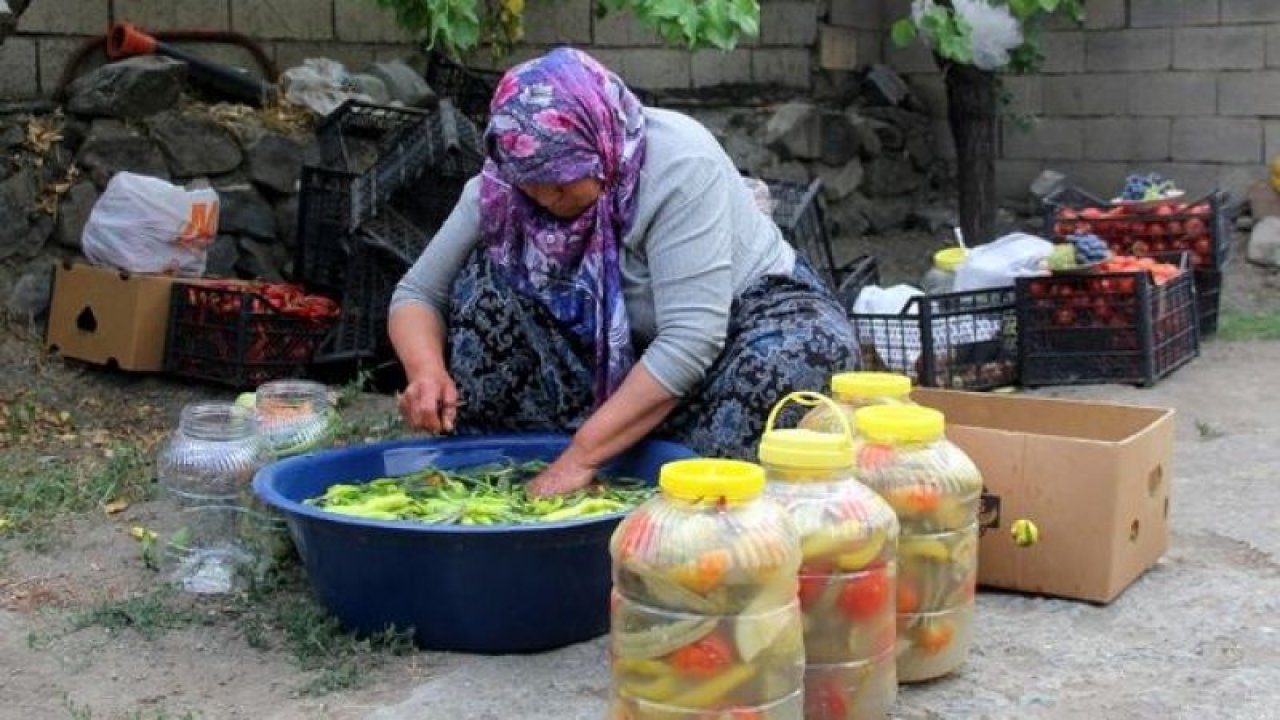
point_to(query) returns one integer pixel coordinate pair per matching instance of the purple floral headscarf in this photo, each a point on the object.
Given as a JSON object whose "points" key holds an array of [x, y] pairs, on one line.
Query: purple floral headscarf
{"points": [[557, 119]]}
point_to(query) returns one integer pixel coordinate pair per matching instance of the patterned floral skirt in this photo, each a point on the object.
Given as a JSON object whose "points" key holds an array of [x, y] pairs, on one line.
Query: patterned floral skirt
{"points": [[516, 370]]}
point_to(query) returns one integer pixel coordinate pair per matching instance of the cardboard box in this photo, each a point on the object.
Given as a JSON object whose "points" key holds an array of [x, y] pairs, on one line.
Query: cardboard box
{"points": [[109, 317], [1094, 478]]}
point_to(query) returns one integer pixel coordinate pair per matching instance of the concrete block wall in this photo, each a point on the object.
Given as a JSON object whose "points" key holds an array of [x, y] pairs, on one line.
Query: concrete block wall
{"points": [[1188, 88], [357, 32]]}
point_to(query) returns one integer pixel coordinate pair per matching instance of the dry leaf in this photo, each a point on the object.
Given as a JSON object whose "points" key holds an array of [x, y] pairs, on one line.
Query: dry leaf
{"points": [[116, 506]]}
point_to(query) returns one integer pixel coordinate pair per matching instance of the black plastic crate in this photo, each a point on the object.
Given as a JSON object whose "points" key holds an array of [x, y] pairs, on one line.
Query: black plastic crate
{"points": [[960, 341], [1106, 328], [861, 273], [333, 203], [1201, 227], [1208, 299], [361, 330], [236, 337], [799, 211], [470, 89]]}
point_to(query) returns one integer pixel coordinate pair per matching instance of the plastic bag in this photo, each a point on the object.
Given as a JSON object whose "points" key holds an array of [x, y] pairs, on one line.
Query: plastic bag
{"points": [[320, 84], [145, 224], [999, 263], [897, 343]]}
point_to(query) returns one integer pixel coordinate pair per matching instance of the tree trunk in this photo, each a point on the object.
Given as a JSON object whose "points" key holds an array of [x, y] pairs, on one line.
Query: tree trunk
{"points": [[971, 112]]}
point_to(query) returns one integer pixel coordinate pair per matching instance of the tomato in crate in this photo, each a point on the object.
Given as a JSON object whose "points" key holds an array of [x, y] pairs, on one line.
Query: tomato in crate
{"points": [[243, 334], [1132, 320]]}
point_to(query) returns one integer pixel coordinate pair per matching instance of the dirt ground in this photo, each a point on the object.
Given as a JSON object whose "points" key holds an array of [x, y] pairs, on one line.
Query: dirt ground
{"points": [[1196, 637]]}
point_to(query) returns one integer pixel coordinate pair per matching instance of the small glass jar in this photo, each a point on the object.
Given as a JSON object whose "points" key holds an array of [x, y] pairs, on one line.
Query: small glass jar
{"points": [[294, 416], [848, 546], [854, 390], [941, 278], [935, 489], [705, 619], [207, 468]]}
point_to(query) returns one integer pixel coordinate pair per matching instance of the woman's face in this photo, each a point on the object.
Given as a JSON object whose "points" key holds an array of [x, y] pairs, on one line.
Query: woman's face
{"points": [[566, 201]]}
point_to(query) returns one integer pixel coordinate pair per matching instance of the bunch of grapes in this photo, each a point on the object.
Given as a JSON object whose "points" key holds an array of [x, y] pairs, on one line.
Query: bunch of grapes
{"points": [[1140, 188], [1090, 249]]}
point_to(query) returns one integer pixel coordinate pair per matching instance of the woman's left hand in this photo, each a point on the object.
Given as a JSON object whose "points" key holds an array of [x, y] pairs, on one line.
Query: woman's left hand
{"points": [[568, 473]]}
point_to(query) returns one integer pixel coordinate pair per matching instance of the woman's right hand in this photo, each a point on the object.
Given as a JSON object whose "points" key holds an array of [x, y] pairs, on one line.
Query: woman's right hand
{"points": [[430, 402]]}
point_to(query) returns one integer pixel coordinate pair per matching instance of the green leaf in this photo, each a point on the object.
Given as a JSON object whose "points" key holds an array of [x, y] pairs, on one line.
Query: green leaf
{"points": [[1023, 9], [903, 32], [1049, 5]]}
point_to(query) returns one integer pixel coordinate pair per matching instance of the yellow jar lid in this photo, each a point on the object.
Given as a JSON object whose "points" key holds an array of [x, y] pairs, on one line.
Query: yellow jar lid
{"points": [[806, 449], [949, 259], [870, 384], [733, 480], [894, 424]]}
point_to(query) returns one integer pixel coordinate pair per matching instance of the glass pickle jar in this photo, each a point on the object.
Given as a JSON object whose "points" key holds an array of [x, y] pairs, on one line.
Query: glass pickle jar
{"points": [[848, 544], [705, 618], [206, 467], [294, 416], [941, 278], [854, 390], [934, 488]]}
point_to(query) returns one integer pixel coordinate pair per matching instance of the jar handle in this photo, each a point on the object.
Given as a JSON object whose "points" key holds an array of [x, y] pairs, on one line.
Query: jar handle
{"points": [[809, 399]]}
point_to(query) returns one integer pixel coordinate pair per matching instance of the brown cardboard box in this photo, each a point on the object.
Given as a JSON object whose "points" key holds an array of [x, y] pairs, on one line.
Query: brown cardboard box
{"points": [[109, 317], [1094, 479]]}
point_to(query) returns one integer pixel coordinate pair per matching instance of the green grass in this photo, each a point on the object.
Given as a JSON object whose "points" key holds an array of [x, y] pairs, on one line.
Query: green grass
{"points": [[151, 615], [1249, 326], [40, 490], [84, 712]]}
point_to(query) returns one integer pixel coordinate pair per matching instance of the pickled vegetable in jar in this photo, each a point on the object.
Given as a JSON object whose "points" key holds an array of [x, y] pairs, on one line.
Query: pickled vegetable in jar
{"points": [[934, 488], [848, 542], [941, 278], [705, 617], [854, 390]]}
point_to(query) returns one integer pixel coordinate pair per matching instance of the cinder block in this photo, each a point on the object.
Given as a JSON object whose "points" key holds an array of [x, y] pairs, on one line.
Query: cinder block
{"points": [[1101, 178], [1198, 179], [1048, 139], [1219, 48], [1167, 13], [1106, 14], [1237, 179], [1127, 139], [1063, 52], [1085, 95], [1217, 139], [837, 48], [785, 22], [1254, 93], [713, 67], [556, 22], [656, 68], [355, 57], [73, 17], [871, 45], [18, 69], [915, 58], [1026, 93], [782, 66], [1271, 140], [1172, 94], [932, 91], [621, 29], [1013, 178], [1250, 11], [283, 19], [1129, 50], [173, 14], [859, 14], [366, 21], [1273, 46], [54, 54]]}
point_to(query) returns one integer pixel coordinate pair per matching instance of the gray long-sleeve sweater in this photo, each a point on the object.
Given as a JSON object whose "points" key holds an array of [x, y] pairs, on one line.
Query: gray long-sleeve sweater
{"points": [[698, 240]]}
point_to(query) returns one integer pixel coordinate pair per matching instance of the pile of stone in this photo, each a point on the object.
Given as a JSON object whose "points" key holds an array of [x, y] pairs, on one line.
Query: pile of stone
{"points": [[134, 115]]}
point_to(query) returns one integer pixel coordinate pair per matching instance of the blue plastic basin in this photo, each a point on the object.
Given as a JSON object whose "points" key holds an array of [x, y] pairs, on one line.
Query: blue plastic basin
{"points": [[479, 589]]}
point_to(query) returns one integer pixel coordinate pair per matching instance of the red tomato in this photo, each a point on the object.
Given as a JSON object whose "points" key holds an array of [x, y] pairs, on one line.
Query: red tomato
{"points": [[1194, 226], [703, 658], [824, 699], [1038, 289], [1064, 317], [1203, 245], [1102, 310], [864, 595]]}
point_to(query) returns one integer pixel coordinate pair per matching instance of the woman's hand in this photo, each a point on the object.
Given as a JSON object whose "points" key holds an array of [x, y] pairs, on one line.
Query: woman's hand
{"points": [[430, 402], [571, 471]]}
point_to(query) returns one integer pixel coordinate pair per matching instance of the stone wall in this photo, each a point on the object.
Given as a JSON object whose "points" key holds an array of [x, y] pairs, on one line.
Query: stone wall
{"points": [[1188, 88], [358, 32]]}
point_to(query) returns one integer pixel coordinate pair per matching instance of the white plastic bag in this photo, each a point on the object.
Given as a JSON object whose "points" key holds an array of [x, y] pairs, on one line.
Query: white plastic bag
{"points": [[999, 263], [320, 84], [897, 342], [145, 224]]}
